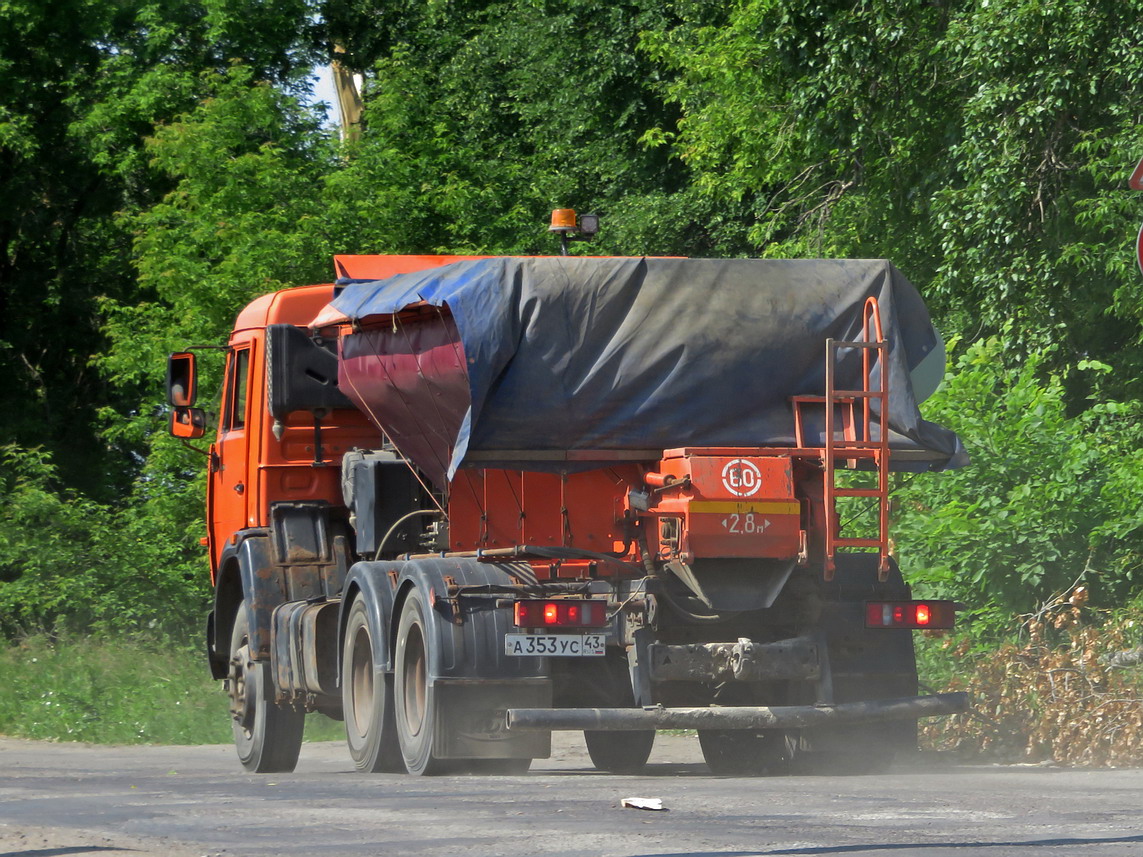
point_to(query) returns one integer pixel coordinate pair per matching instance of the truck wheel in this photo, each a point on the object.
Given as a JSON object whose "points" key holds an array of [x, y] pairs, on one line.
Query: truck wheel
{"points": [[734, 753], [840, 764], [268, 737], [495, 767], [367, 699], [619, 752], [415, 703]]}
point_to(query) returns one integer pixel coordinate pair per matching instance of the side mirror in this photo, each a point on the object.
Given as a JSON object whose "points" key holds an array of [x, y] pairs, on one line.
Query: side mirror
{"points": [[188, 423], [182, 380]]}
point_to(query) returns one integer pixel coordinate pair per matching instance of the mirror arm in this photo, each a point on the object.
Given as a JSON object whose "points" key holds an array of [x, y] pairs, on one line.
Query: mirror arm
{"points": [[208, 453]]}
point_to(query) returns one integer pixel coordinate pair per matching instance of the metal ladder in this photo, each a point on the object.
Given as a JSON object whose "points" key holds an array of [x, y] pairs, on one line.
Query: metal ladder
{"points": [[857, 441]]}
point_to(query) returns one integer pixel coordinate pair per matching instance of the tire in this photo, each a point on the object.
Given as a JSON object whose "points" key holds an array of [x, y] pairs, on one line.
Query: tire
{"points": [[841, 764], [609, 685], [413, 694], [268, 738], [860, 749], [619, 752], [367, 699], [494, 767], [734, 753]]}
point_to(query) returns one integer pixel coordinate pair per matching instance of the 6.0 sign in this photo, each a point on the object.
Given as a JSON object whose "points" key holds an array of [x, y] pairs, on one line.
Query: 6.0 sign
{"points": [[741, 477]]}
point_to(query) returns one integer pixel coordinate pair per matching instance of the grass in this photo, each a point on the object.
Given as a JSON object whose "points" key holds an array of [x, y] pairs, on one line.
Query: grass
{"points": [[117, 691]]}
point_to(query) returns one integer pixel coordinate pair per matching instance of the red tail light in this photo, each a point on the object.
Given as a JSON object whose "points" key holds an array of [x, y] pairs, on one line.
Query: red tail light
{"points": [[560, 613], [910, 614]]}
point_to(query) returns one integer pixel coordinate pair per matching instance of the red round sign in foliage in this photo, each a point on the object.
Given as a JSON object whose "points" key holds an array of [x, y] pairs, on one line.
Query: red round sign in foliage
{"points": [[1139, 249], [1136, 183]]}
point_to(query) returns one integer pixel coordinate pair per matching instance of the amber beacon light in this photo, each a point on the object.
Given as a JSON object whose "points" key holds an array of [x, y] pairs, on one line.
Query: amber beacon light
{"points": [[563, 220], [572, 227]]}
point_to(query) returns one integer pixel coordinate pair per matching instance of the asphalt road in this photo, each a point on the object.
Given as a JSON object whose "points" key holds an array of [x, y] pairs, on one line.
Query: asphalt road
{"points": [[60, 799]]}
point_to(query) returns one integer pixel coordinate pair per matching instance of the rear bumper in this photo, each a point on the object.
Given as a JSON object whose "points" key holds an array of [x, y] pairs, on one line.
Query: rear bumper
{"points": [[749, 718]]}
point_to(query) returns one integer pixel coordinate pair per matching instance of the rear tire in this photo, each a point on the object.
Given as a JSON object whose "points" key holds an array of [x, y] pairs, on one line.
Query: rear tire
{"points": [[619, 752], [413, 692], [268, 738], [840, 764], [734, 753], [870, 748], [367, 699], [495, 767]]}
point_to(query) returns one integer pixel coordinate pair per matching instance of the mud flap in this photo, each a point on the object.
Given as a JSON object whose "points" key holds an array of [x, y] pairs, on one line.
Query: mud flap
{"points": [[470, 719], [864, 664], [473, 681]]}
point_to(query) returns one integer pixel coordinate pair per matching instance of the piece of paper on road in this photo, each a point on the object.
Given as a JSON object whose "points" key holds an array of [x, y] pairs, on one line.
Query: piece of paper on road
{"points": [[651, 803]]}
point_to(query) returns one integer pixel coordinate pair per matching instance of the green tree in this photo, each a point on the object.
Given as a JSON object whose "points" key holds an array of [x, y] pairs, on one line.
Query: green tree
{"points": [[243, 216], [1050, 498], [69, 564], [482, 117], [82, 84], [99, 529], [983, 146]]}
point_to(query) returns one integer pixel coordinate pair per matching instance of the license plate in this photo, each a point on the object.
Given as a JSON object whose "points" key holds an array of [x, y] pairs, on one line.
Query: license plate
{"points": [[555, 645]]}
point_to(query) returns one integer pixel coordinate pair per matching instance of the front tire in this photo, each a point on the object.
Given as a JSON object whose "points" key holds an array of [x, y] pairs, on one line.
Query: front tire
{"points": [[413, 692], [268, 738], [367, 699]]}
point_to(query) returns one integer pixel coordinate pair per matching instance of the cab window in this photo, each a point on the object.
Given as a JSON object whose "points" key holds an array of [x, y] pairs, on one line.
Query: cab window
{"points": [[237, 385]]}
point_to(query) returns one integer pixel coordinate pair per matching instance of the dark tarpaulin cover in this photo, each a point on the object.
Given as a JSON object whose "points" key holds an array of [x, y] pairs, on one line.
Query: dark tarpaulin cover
{"points": [[581, 353]]}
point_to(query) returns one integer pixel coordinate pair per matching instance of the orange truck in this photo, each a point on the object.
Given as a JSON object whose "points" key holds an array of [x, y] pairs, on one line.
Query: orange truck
{"points": [[462, 502]]}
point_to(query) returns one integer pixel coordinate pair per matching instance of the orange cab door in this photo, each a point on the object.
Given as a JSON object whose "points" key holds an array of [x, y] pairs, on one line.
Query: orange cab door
{"points": [[230, 487]]}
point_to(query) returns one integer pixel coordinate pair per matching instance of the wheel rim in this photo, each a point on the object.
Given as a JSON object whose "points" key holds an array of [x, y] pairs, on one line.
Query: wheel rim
{"points": [[361, 681], [241, 684], [415, 685]]}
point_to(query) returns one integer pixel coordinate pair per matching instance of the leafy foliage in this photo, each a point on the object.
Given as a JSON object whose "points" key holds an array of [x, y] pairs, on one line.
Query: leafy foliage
{"points": [[982, 146], [69, 564], [1038, 85], [1050, 499], [81, 85], [242, 218], [481, 117]]}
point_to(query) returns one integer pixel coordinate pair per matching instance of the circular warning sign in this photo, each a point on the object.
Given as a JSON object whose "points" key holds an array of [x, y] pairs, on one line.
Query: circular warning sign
{"points": [[1136, 180], [741, 478], [1139, 248]]}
